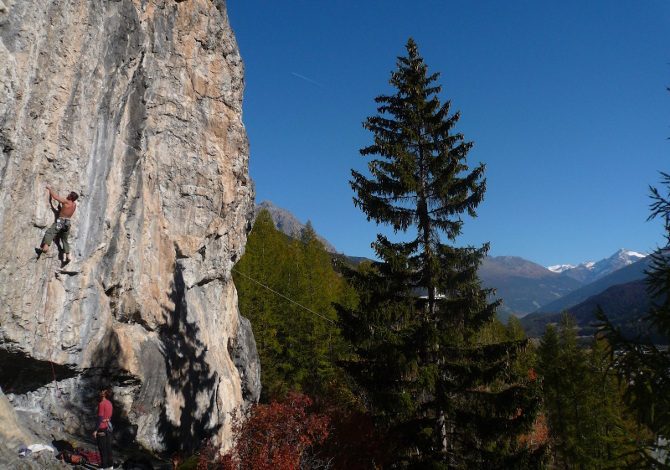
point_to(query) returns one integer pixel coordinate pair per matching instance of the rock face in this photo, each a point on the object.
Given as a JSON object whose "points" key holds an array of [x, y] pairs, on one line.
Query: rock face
{"points": [[135, 105], [13, 436]]}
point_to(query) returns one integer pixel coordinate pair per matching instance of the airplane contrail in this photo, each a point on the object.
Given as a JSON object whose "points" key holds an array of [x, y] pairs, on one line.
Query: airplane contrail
{"points": [[307, 79]]}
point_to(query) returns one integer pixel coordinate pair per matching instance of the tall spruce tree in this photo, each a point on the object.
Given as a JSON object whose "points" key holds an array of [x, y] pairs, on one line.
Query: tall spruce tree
{"points": [[447, 400]]}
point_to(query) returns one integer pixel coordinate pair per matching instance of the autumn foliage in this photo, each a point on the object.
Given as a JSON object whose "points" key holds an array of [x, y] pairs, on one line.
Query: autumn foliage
{"points": [[274, 436], [538, 435]]}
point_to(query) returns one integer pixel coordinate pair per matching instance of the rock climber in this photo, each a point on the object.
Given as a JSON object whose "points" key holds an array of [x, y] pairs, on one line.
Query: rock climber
{"points": [[103, 430], [61, 227]]}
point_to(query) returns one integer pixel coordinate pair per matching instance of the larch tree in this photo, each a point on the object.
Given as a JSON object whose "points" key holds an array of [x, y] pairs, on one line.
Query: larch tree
{"points": [[286, 288], [265, 262], [644, 366], [447, 400], [590, 427]]}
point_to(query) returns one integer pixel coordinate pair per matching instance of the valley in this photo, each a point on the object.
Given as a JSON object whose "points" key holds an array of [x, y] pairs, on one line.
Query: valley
{"points": [[539, 295]]}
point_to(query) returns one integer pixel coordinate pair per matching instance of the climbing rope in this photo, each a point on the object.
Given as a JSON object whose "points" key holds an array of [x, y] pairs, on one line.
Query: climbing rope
{"points": [[284, 297], [45, 299], [53, 373], [46, 294]]}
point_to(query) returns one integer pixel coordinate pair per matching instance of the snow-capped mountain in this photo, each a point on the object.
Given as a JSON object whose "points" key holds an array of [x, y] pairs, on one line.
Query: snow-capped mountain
{"points": [[559, 268], [631, 273], [594, 270]]}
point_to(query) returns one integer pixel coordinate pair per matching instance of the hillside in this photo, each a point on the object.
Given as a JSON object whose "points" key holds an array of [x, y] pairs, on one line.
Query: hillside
{"points": [[632, 272], [523, 285], [624, 304]]}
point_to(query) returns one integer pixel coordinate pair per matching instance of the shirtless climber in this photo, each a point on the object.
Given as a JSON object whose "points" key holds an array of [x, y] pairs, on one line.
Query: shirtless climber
{"points": [[60, 228]]}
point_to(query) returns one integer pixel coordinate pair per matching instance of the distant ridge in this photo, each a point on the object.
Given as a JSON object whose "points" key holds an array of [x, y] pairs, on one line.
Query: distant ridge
{"points": [[527, 289], [632, 272], [591, 271], [287, 223], [624, 304], [559, 268], [523, 285]]}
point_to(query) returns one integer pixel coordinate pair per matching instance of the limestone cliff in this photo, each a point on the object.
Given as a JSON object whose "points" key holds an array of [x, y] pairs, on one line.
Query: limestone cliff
{"points": [[136, 105]]}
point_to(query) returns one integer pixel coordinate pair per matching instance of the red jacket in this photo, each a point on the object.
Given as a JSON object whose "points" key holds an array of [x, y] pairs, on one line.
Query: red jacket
{"points": [[104, 414]]}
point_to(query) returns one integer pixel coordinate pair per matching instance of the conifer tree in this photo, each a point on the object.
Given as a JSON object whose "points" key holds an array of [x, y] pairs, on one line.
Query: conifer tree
{"points": [[551, 370], [563, 367], [589, 426], [448, 400], [298, 349], [265, 261], [642, 365]]}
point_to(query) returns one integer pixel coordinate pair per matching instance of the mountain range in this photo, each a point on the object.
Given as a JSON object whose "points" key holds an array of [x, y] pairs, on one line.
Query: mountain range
{"points": [[630, 272], [593, 270], [538, 295], [624, 304], [527, 287], [522, 285]]}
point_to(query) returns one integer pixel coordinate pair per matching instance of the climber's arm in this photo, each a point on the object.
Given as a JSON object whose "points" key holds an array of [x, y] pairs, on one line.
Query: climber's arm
{"points": [[55, 196]]}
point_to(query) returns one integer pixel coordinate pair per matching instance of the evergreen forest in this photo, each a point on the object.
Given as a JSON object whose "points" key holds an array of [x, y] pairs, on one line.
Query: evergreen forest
{"points": [[401, 362]]}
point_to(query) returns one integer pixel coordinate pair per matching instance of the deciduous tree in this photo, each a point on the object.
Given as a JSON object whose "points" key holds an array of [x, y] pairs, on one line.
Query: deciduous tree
{"points": [[274, 436]]}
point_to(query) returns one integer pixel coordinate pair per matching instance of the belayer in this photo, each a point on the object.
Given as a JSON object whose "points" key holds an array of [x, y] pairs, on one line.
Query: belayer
{"points": [[103, 430], [61, 227]]}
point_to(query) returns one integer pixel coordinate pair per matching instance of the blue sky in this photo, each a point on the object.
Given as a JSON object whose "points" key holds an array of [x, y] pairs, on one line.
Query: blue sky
{"points": [[566, 103]]}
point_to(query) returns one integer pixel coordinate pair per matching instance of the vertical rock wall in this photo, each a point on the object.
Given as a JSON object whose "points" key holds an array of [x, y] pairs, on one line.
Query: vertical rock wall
{"points": [[136, 105]]}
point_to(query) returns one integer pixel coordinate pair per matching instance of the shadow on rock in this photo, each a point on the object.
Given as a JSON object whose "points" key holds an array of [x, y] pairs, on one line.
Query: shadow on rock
{"points": [[106, 372], [20, 373], [190, 382]]}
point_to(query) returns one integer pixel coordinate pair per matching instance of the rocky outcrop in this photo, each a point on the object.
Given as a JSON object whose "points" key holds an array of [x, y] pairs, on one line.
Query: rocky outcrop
{"points": [[288, 224], [136, 105], [12, 435]]}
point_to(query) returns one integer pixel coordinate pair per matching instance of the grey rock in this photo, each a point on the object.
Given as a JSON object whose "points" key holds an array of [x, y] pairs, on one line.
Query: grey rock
{"points": [[136, 105], [243, 351]]}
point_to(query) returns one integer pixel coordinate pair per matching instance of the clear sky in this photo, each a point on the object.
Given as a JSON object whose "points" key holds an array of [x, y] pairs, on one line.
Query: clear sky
{"points": [[566, 103]]}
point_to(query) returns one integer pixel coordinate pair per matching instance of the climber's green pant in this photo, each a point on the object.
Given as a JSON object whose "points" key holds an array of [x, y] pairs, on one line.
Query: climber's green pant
{"points": [[61, 229]]}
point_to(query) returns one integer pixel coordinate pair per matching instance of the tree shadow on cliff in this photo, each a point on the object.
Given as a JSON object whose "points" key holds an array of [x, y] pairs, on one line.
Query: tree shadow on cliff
{"points": [[106, 372], [190, 381]]}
